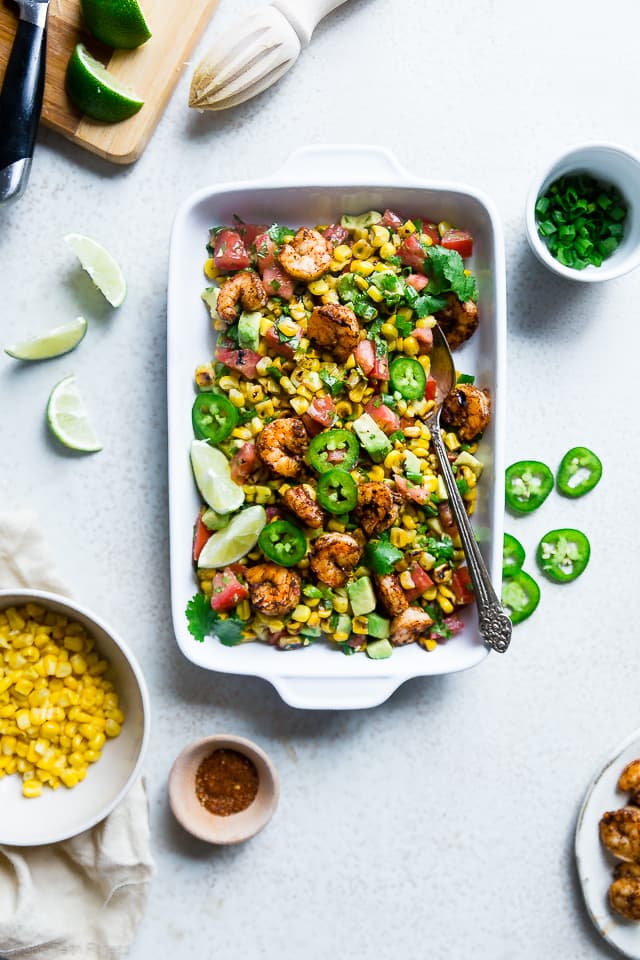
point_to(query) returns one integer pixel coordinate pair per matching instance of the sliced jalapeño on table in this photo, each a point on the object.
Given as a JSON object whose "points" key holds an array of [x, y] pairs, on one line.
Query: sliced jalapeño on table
{"points": [[579, 471], [528, 484], [213, 417], [283, 542], [520, 596], [563, 554], [512, 556]]}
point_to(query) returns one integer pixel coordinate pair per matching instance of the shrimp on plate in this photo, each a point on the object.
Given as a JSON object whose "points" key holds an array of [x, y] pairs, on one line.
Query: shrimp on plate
{"points": [[282, 444], [273, 590]]}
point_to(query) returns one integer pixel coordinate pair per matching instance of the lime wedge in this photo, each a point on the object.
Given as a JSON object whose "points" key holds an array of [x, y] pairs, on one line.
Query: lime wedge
{"points": [[101, 267], [52, 343], [231, 544], [97, 92], [67, 418], [118, 23], [213, 478]]}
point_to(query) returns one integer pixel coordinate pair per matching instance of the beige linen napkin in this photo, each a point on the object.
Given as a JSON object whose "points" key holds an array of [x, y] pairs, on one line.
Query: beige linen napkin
{"points": [[82, 897]]}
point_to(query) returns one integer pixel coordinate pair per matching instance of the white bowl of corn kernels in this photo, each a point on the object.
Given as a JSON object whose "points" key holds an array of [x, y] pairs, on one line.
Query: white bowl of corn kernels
{"points": [[74, 718]]}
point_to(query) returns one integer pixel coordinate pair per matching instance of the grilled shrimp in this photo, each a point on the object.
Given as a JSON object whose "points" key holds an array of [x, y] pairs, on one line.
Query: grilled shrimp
{"points": [[391, 593], [273, 590], [244, 290], [624, 892], [409, 626], [458, 320], [300, 502], [377, 508], [334, 556], [307, 256], [282, 445], [630, 777], [620, 833], [334, 327], [468, 410]]}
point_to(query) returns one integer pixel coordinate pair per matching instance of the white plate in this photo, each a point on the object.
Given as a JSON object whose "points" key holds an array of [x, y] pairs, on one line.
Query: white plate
{"points": [[317, 185], [595, 864]]}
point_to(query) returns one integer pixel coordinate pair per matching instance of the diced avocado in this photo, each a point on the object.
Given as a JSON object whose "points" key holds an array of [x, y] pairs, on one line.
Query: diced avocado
{"points": [[379, 649], [378, 626], [210, 297], [372, 438], [343, 625], [361, 596], [466, 459], [213, 520], [362, 221], [411, 464], [249, 330], [313, 632]]}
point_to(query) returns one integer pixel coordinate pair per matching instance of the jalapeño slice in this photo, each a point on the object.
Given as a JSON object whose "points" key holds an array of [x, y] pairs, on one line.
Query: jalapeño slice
{"points": [[337, 491], [528, 484], [334, 448], [520, 596], [512, 556], [563, 554], [407, 376], [579, 471], [283, 542], [213, 417]]}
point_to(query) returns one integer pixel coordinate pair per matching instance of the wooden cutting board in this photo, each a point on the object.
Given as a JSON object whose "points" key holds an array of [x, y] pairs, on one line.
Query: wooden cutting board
{"points": [[151, 70]]}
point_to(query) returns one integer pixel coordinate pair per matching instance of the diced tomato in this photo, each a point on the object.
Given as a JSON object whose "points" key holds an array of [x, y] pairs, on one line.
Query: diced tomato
{"points": [[384, 416], [424, 336], [419, 494], [277, 282], [285, 348], [265, 251], [461, 586], [431, 388], [244, 462], [411, 253], [391, 219], [273, 513], [422, 582], [200, 536], [454, 624], [458, 240], [230, 252], [227, 591], [322, 410], [430, 229], [312, 426], [372, 365], [249, 232], [242, 361], [447, 521], [336, 233], [418, 281]]}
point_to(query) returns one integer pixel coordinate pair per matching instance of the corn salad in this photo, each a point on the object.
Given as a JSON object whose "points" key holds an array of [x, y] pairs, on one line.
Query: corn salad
{"points": [[318, 395], [56, 708]]}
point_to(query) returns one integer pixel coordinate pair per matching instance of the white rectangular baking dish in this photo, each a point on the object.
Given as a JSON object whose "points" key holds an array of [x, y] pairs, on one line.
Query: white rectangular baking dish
{"points": [[317, 185]]}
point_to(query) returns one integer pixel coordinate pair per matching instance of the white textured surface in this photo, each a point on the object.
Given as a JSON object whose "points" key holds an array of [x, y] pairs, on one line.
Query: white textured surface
{"points": [[441, 824]]}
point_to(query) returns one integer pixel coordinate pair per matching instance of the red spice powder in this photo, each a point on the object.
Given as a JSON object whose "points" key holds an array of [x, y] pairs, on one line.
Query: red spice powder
{"points": [[226, 782]]}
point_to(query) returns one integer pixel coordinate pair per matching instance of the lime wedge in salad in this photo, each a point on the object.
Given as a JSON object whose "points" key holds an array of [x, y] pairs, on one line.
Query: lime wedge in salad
{"points": [[52, 343], [101, 267], [231, 544], [213, 478], [68, 419], [96, 92]]}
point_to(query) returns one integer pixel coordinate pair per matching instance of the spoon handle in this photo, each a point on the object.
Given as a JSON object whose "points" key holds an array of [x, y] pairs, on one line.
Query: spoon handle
{"points": [[494, 624], [305, 15]]}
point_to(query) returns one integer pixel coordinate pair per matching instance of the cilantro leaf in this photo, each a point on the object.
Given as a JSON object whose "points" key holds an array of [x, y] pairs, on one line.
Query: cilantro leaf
{"points": [[279, 234], [446, 271], [334, 384], [382, 556], [440, 549], [201, 618], [229, 631]]}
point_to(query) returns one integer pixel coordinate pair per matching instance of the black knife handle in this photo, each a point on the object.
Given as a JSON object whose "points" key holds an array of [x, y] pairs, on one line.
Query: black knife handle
{"points": [[21, 102]]}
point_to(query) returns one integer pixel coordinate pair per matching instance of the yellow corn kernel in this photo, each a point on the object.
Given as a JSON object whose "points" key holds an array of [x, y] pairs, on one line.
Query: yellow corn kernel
{"points": [[298, 313], [92, 756], [399, 537], [301, 613], [360, 625], [313, 381], [443, 226], [394, 459], [63, 669], [361, 250], [32, 788], [243, 610], [50, 729], [406, 580], [7, 711], [323, 613], [407, 228], [69, 778], [8, 746], [288, 327], [237, 398], [314, 619], [229, 382], [23, 719], [363, 268], [5, 683], [451, 441], [408, 522], [389, 330], [23, 687], [73, 643], [342, 253], [210, 269], [379, 235], [387, 250], [410, 346], [344, 409], [358, 392], [318, 287], [444, 603], [21, 749], [97, 741], [288, 386], [376, 473], [78, 664], [374, 294], [340, 637], [16, 622], [299, 404], [428, 643], [112, 728]]}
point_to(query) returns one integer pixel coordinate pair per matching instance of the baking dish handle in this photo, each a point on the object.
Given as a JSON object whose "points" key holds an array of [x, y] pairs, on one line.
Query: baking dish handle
{"points": [[342, 163], [335, 693]]}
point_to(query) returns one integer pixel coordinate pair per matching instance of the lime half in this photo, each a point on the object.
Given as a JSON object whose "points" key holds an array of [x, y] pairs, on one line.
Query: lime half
{"points": [[101, 267], [68, 420], [52, 343], [231, 544], [213, 478], [97, 92], [118, 23]]}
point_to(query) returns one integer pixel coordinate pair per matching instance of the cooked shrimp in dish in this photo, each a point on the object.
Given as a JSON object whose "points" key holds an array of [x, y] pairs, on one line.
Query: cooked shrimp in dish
{"points": [[624, 892], [620, 833], [377, 508], [390, 591], [459, 320], [307, 256], [273, 590], [334, 328], [468, 410], [411, 625], [299, 501], [333, 557], [282, 444], [242, 290]]}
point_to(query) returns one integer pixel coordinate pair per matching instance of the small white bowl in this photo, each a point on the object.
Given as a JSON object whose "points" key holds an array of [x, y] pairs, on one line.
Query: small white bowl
{"points": [[612, 165], [62, 813]]}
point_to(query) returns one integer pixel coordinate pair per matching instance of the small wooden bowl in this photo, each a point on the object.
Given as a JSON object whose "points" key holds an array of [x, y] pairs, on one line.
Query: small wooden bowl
{"points": [[196, 819]]}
